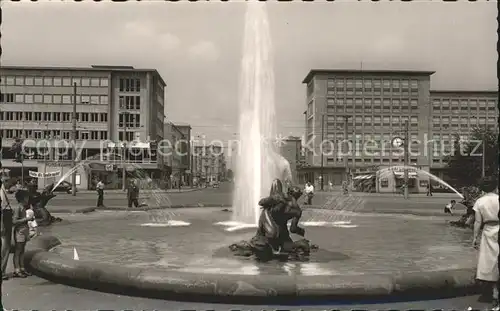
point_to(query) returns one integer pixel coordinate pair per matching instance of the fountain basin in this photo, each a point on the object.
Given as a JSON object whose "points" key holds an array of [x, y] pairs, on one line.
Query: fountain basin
{"points": [[383, 256]]}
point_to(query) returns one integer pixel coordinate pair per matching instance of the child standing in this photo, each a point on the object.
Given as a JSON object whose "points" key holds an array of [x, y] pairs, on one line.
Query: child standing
{"points": [[21, 233], [32, 224]]}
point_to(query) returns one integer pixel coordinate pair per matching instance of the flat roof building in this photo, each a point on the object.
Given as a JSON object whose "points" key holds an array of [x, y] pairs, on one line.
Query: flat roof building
{"points": [[369, 108], [113, 103]]}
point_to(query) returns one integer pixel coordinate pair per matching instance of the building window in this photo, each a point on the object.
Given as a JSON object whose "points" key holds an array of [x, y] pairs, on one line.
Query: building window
{"points": [[94, 99], [29, 81], [66, 117], [85, 99], [104, 82], [57, 99], [6, 97], [38, 81], [19, 98], [85, 117], [57, 81], [104, 117], [384, 182], [47, 81], [19, 80], [77, 80], [28, 116], [38, 99], [66, 135], [47, 99], [10, 80], [66, 81], [57, 117], [47, 116], [103, 100], [94, 135], [85, 82], [38, 116], [84, 135], [66, 99], [94, 82], [94, 117], [130, 85]]}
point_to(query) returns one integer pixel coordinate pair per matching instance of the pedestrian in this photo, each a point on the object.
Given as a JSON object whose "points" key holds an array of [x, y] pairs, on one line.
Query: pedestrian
{"points": [[429, 189], [448, 209], [330, 185], [6, 229], [20, 233], [309, 191], [345, 188], [133, 194], [486, 217], [100, 193]]}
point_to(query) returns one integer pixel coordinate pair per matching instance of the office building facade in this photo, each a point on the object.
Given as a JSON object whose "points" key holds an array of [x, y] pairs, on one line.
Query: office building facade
{"points": [[458, 112], [365, 109], [370, 109], [209, 164], [177, 155], [114, 104]]}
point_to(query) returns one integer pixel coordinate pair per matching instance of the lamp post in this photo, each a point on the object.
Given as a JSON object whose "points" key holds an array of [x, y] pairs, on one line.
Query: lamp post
{"points": [[124, 152]]}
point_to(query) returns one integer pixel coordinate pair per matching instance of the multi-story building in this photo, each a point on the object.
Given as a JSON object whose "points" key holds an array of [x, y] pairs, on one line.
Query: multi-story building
{"points": [[178, 155], [457, 112], [209, 163], [368, 109], [113, 104]]}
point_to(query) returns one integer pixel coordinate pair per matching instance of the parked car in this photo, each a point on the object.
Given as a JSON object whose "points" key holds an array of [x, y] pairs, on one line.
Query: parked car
{"points": [[215, 185]]}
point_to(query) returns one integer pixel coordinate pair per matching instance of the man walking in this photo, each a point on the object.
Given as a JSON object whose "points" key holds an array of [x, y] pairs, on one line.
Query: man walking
{"points": [[309, 191], [133, 194], [100, 193]]}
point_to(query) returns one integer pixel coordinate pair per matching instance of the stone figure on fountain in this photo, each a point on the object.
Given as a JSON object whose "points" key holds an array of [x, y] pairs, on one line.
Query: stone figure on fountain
{"points": [[38, 202], [272, 239]]}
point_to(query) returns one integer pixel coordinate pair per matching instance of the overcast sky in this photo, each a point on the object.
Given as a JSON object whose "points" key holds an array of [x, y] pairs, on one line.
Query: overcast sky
{"points": [[197, 47]]}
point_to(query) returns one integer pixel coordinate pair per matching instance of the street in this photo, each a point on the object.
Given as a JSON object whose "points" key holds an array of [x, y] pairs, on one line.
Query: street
{"points": [[359, 202]]}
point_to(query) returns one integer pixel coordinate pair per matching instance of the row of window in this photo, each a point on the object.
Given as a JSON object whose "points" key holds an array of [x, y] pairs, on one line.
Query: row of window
{"points": [[376, 83], [367, 102], [463, 120], [455, 103], [370, 91], [369, 160], [52, 116], [368, 110], [130, 85], [130, 102], [53, 99], [54, 81], [129, 120], [52, 134]]}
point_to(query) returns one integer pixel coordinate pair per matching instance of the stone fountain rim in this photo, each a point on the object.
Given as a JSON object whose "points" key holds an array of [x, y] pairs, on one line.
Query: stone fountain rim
{"points": [[247, 289]]}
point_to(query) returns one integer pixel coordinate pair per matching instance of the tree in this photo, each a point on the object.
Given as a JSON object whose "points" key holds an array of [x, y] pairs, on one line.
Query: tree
{"points": [[465, 164]]}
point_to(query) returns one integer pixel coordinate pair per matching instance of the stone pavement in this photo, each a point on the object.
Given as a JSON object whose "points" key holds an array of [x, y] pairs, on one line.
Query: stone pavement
{"points": [[34, 293]]}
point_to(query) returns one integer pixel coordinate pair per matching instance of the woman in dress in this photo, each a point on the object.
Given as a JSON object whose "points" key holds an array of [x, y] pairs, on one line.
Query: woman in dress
{"points": [[486, 218]]}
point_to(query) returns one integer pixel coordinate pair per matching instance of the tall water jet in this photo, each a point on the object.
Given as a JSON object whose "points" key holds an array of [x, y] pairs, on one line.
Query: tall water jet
{"points": [[256, 160]]}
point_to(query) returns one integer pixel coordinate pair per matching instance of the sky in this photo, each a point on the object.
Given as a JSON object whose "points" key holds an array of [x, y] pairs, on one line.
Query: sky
{"points": [[197, 47]]}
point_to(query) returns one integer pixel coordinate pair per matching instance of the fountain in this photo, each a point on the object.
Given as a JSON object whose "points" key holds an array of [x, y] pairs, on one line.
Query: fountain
{"points": [[256, 164]]}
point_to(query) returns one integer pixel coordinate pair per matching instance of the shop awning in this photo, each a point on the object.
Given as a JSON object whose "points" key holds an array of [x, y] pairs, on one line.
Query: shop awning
{"points": [[402, 174], [360, 177]]}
